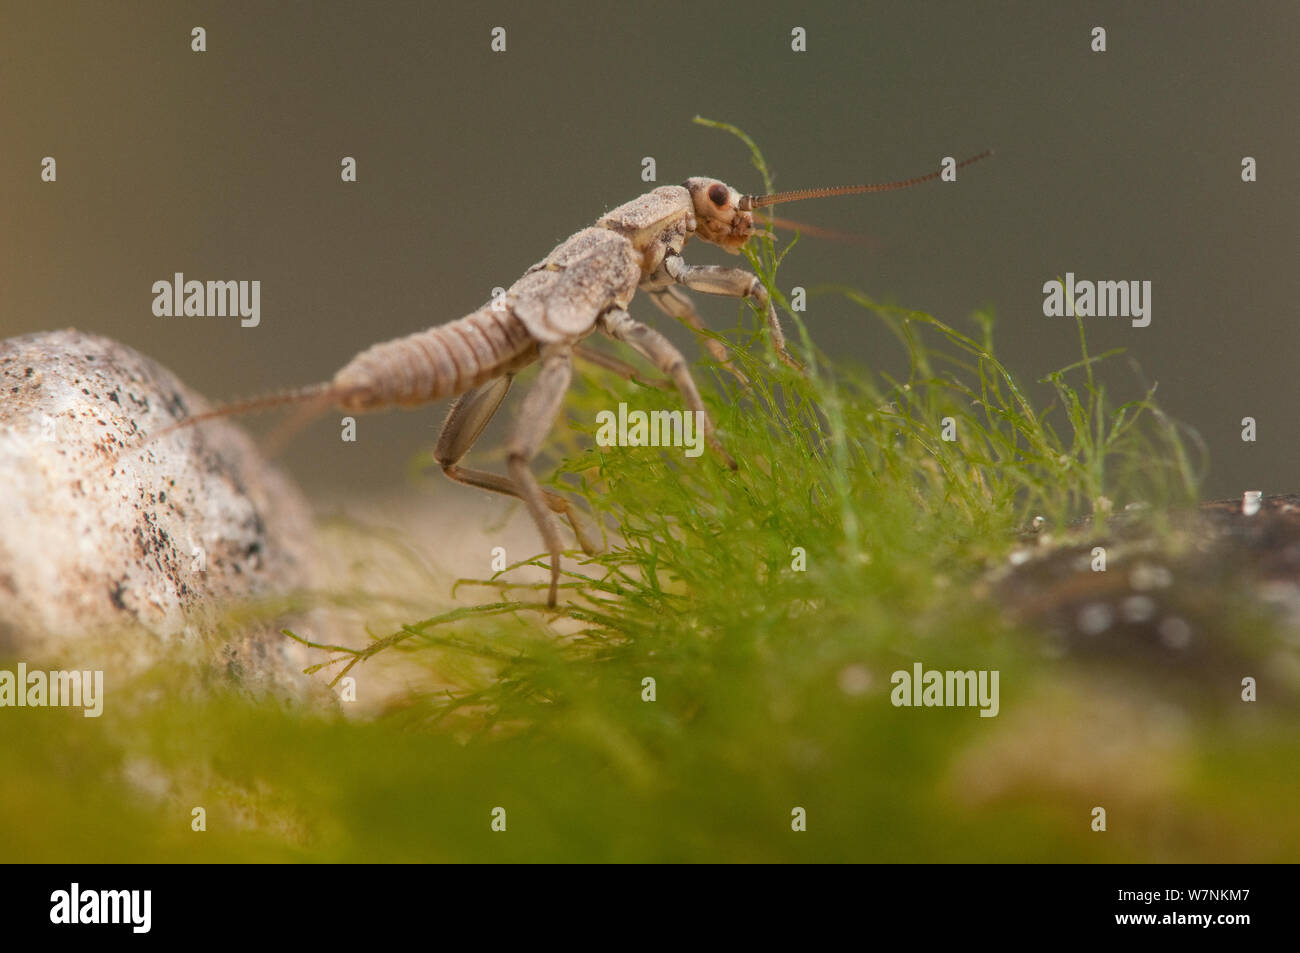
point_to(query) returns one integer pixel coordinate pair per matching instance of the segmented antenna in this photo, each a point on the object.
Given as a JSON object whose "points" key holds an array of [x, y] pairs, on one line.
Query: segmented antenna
{"points": [[761, 201]]}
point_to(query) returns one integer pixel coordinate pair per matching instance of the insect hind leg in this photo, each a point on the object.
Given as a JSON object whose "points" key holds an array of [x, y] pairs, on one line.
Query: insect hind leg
{"points": [[536, 416], [465, 423], [468, 416]]}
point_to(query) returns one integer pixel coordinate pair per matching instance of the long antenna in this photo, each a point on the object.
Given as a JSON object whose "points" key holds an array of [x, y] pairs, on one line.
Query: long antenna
{"points": [[761, 201]]}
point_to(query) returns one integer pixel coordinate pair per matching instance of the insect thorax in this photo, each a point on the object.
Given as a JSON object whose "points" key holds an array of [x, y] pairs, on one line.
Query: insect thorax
{"points": [[656, 223]]}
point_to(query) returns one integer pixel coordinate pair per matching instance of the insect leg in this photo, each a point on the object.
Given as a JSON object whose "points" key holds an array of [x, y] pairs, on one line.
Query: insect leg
{"points": [[536, 417], [468, 416], [655, 347], [733, 283], [611, 363], [677, 305], [466, 420]]}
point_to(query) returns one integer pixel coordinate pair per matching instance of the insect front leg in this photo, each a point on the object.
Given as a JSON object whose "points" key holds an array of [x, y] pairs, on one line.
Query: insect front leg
{"points": [[732, 283], [675, 304], [656, 348], [468, 416]]}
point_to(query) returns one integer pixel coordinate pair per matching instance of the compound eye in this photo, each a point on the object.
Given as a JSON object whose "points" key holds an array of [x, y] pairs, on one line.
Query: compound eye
{"points": [[719, 195]]}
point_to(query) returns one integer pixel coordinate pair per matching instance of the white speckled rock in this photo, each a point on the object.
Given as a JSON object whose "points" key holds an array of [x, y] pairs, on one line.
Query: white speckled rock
{"points": [[99, 538]]}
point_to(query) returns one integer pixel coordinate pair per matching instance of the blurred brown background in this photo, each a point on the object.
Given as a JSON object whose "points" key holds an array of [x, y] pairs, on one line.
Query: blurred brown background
{"points": [[225, 165]]}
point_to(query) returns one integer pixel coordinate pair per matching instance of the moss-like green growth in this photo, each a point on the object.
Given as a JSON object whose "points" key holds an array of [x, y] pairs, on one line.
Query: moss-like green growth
{"points": [[769, 607]]}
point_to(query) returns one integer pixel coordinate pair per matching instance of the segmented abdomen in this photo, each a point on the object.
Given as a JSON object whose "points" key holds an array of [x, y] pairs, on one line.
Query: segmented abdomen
{"points": [[443, 361]]}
